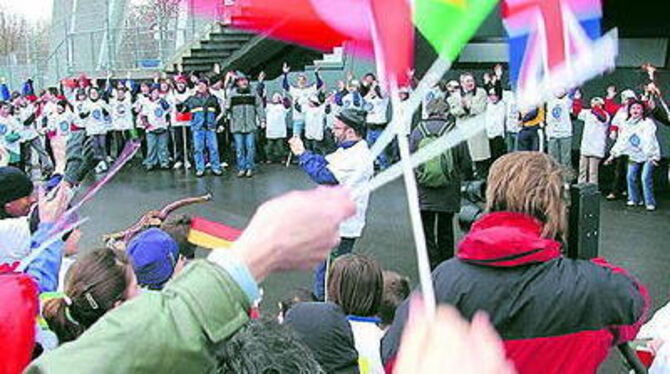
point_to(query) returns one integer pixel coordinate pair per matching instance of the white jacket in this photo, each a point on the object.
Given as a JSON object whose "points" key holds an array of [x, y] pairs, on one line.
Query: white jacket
{"points": [[62, 123], [353, 167], [594, 137], [496, 115], [14, 239], [638, 141], [559, 124]]}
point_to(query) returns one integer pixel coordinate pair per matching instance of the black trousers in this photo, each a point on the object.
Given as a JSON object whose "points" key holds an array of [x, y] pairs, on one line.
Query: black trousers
{"points": [[438, 227], [618, 185]]}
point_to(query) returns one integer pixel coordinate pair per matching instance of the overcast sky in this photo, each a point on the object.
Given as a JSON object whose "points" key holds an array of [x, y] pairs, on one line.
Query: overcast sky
{"points": [[32, 9]]}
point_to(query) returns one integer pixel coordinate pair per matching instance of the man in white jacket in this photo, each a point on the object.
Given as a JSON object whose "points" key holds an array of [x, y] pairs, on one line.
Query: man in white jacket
{"points": [[351, 165]]}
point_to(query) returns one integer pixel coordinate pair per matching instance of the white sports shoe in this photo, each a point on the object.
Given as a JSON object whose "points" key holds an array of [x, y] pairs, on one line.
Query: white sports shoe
{"points": [[177, 165], [651, 208]]}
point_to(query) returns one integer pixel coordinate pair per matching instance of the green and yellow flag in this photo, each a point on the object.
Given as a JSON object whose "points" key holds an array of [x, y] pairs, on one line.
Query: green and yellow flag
{"points": [[449, 24]]}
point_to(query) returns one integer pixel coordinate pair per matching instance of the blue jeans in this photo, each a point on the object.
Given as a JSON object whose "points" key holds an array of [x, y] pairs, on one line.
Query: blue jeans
{"points": [[346, 246], [298, 128], [245, 149], [647, 182], [371, 138], [157, 149], [202, 138], [528, 139]]}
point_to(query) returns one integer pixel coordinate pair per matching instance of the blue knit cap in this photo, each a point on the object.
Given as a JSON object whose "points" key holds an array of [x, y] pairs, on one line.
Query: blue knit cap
{"points": [[153, 254]]}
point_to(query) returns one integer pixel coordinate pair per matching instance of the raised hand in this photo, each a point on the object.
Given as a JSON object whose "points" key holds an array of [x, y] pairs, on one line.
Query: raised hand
{"points": [[611, 92], [286, 69], [261, 76]]}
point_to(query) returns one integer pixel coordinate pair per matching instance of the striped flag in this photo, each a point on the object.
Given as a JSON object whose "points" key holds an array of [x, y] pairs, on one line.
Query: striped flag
{"points": [[212, 235], [555, 45]]}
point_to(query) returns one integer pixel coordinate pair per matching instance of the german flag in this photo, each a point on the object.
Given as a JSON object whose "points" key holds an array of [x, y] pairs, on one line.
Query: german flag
{"points": [[212, 235]]}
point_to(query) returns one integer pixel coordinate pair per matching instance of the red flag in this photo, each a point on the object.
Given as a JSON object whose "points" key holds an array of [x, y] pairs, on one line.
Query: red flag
{"points": [[325, 24]]}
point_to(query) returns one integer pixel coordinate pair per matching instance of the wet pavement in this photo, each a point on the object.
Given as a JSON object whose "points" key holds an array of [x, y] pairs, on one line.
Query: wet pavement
{"points": [[632, 238]]}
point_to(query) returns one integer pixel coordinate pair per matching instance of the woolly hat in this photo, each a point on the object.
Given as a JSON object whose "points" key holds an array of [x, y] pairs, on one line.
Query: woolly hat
{"points": [[353, 118], [153, 254], [628, 94], [14, 184]]}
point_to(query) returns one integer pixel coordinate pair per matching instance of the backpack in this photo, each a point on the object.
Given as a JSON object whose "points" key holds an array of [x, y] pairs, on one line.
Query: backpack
{"points": [[441, 170]]}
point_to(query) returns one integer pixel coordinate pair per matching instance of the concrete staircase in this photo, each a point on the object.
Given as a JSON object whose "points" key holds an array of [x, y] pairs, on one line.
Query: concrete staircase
{"points": [[235, 49]]}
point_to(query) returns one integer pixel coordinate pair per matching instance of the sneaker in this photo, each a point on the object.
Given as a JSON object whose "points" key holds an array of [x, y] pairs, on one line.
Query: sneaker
{"points": [[631, 203], [250, 173], [241, 173], [177, 165], [218, 173], [109, 159], [651, 208], [208, 165], [611, 196], [224, 165], [199, 173], [187, 165]]}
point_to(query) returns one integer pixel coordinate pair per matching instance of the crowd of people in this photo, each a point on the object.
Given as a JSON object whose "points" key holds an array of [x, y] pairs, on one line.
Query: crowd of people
{"points": [[155, 307]]}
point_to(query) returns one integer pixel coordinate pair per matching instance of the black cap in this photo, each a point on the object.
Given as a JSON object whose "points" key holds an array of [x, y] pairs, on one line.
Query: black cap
{"points": [[353, 118], [14, 184]]}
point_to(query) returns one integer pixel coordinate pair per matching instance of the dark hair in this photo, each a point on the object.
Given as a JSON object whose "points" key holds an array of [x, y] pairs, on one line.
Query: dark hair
{"points": [[266, 347], [645, 113], [178, 228], [93, 285], [4, 104], [298, 295], [356, 284], [396, 290], [63, 103], [53, 91]]}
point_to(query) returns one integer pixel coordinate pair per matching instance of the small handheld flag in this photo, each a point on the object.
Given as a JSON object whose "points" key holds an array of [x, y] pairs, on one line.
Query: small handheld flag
{"points": [[212, 235]]}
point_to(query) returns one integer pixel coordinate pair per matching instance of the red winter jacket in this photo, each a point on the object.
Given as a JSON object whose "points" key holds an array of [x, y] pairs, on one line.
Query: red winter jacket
{"points": [[555, 315], [17, 320]]}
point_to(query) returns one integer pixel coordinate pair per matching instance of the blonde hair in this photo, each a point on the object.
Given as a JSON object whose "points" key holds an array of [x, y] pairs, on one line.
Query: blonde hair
{"points": [[530, 183]]}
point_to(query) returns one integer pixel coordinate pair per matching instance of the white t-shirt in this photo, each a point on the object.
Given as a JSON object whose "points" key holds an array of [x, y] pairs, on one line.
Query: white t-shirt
{"points": [[275, 121], [513, 123], [559, 124], [96, 122], [353, 167], [15, 243], [594, 137], [496, 115], [122, 115], [315, 121], [28, 132], [377, 109], [301, 96], [638, 141], [62, 123], [79, 107], [8, 126], [367, 339], [157, 115]]}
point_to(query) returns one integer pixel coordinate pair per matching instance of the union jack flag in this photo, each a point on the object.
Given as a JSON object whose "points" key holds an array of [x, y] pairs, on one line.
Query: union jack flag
{"points": [[555, 45]]}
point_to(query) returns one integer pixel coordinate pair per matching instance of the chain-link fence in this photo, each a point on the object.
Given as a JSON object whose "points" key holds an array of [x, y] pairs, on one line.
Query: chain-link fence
{"points": [[95, 37]]}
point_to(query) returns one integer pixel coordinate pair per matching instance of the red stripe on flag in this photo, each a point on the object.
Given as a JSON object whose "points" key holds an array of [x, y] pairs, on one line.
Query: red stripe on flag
{"points": [[216, 229]]}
